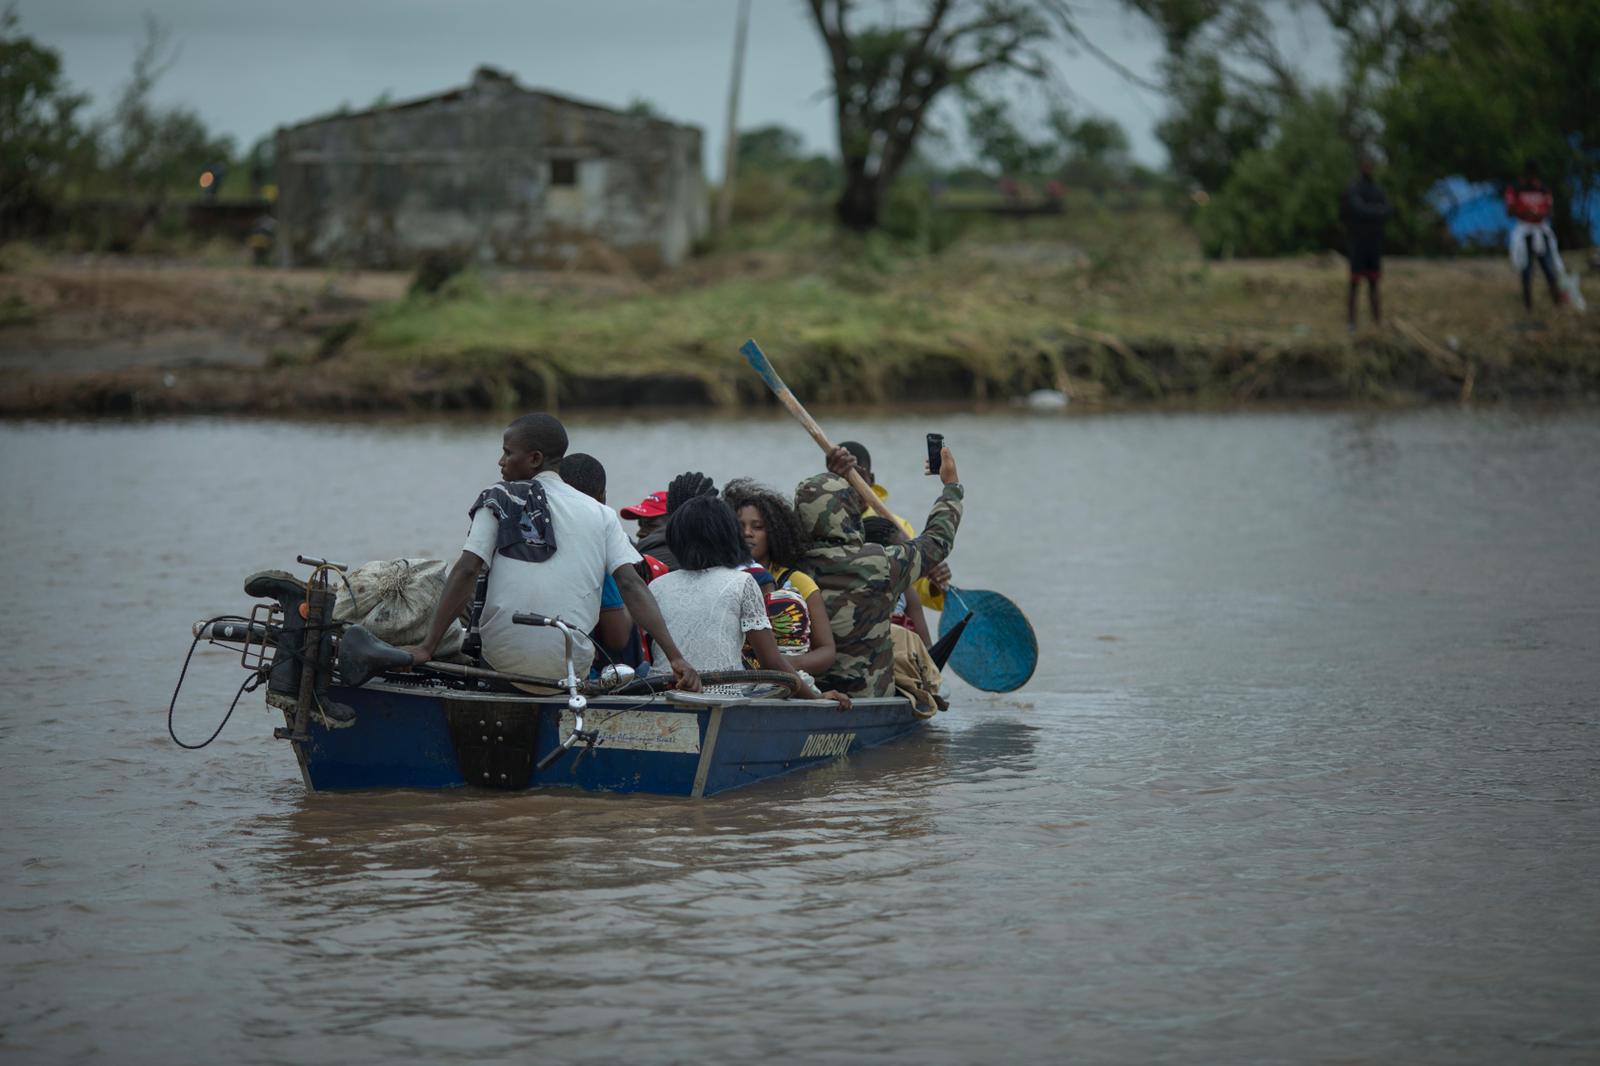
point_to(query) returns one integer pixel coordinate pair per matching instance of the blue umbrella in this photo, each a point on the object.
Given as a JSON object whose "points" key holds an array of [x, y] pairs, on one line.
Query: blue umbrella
{"points": [[996, 651]]}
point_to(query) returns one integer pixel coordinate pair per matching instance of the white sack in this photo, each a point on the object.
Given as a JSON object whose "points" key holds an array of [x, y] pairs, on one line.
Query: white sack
{"points": [[394, 599]]}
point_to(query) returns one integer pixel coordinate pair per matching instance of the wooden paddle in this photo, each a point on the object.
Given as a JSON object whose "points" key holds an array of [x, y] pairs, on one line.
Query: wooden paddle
{"points": [[763, 366]]}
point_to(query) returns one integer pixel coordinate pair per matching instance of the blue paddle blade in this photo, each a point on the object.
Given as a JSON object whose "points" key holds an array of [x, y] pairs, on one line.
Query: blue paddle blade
{"points": [[762, 365], [998, 651]]}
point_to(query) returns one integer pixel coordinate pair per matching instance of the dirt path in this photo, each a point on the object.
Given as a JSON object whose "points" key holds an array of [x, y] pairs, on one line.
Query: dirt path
{"points": [[93, 315]]}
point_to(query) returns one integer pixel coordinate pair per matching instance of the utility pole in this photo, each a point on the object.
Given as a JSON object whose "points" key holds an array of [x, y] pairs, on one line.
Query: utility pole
{"points": [[730, 150]]}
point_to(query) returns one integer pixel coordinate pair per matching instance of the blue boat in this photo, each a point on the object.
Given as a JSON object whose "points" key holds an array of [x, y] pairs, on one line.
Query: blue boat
{"points": [[411, 735], [359, 717]]}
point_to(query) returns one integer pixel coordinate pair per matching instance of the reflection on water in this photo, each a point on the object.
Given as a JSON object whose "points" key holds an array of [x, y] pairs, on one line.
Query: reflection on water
{"points": [[536, 841], [1306, 772]]}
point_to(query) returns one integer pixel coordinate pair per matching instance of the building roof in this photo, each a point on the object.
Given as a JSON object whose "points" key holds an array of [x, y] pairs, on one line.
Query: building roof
{"points": [[484, 75]]}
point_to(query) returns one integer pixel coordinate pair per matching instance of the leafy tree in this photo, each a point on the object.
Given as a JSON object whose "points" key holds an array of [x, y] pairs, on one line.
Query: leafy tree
{"points": [[40, 138], [1284, 197], [998, 141], [769, 147], [777, 154], [1378, 38], [262, 161], [1212, 124], [1505, 82], [1099, 140], [886, 77], [1235, 97], [154, 150], [1088, 151], [1096, 149]]}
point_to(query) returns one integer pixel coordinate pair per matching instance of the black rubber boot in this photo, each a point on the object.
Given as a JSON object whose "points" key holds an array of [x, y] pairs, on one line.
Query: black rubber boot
{"points": [[289, 594]]}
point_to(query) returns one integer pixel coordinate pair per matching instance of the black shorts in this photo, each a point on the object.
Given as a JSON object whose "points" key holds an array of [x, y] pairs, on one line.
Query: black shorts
{"points": [[1366, 260]]}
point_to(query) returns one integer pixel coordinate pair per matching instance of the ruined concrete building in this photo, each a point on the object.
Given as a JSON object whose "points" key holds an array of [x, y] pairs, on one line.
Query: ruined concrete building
{"points": [[492, 171]]}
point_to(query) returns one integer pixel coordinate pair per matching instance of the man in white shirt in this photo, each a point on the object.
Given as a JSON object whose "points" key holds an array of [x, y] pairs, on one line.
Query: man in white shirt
{"points": [[533, 515]]}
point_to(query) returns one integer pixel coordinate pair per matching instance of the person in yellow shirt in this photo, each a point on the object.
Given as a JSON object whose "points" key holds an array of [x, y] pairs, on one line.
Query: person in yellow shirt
{"points": [[772, 534], [930, 589]]}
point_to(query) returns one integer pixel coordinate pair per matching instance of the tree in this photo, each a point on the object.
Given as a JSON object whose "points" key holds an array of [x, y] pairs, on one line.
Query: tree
{"points": [[998, 141], [1087, 151], [769, 147], [886, 77], [39, 133], [154, 150], [1377, 39], [1096, 150], [776, 156], [1504, 83], [1284, 197], [1212, 124], [1229, 83], [1098, 140]]}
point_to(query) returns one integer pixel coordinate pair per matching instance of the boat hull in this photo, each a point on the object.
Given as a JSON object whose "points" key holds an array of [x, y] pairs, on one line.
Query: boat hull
{"points": [[421, 737]]}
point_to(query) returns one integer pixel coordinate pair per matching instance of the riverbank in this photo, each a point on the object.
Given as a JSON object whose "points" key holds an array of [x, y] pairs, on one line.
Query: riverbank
{"points": [[986, 322]]}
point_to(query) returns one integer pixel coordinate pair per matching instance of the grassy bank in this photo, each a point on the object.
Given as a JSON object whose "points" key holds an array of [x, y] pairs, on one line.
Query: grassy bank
{"points": [[1111, 309], [1137, 318]]}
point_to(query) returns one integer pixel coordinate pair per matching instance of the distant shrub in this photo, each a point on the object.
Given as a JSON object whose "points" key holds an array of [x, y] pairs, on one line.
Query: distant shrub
{"points": [[435, 269], [1284, 198], [911, 218]]}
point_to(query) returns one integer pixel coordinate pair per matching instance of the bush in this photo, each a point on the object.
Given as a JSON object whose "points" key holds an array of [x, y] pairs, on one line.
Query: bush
{"points": [[911, 218], [435, 269], [1284, 198]]}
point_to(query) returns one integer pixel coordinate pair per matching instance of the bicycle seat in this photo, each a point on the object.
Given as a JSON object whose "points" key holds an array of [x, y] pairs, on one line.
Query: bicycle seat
{"points": [[363, 656]]}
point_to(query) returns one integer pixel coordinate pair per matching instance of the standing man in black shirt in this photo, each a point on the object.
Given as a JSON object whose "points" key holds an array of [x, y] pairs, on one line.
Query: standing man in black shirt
{"points": [[1363, 209]]}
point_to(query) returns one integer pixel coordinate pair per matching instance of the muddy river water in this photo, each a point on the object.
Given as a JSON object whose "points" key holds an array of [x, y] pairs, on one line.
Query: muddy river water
{"points": [[1310, 770]]}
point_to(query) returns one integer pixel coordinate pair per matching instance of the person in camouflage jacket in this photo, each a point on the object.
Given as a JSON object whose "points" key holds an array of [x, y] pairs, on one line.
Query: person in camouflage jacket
{"points": [[860, 582]]}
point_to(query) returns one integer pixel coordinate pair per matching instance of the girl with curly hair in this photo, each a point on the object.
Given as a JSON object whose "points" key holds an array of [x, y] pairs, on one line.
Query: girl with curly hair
{"points": [[772, 533]]}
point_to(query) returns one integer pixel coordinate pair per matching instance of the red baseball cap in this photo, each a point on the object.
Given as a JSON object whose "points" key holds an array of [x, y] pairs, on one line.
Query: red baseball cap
{"points": [[652, 506]]}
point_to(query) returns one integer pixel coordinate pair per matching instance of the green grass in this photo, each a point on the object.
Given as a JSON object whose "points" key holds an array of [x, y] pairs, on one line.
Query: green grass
{"points": [[1116, 306], [848, 332], [1000, 312]]}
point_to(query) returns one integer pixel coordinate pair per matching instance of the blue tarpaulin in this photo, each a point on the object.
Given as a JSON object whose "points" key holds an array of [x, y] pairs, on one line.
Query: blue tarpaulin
{"points": [[1476, 214]]}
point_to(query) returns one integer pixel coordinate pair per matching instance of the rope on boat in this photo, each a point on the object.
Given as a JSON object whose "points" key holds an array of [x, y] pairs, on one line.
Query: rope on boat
{"points": [[183, 673], [252, 681]]}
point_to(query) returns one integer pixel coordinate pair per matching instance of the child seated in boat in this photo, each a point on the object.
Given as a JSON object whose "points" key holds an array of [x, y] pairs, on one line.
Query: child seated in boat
{"points": [[711, 604], [794, 604], [615, 635], [916, 675]]}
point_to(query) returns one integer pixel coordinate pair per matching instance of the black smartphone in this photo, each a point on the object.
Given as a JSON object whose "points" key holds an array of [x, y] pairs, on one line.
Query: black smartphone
{"points": [[935, 444]]}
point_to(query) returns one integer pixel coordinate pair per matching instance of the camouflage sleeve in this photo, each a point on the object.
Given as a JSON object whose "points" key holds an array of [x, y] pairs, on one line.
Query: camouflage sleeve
{"points": [[909, 561]]}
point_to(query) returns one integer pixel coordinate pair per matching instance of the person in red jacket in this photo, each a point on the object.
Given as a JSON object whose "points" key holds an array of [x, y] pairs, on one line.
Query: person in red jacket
{"points": [[1529, 203]]}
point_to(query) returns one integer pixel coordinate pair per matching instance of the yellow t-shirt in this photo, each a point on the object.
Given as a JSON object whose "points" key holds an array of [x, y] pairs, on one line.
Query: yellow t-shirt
{"points": [[796, 580]]}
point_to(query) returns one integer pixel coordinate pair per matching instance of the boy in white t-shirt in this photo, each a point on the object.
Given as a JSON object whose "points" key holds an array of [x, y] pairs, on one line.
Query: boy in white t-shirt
{"points": [[548, 548]]}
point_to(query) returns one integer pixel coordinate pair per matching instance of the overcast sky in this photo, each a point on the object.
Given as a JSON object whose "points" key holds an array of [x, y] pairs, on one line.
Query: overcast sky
{"points": [[248, 66]]}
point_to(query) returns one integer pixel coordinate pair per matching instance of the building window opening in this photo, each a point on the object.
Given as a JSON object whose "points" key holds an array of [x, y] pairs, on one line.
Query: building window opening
{"points": [[563, 172]]}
